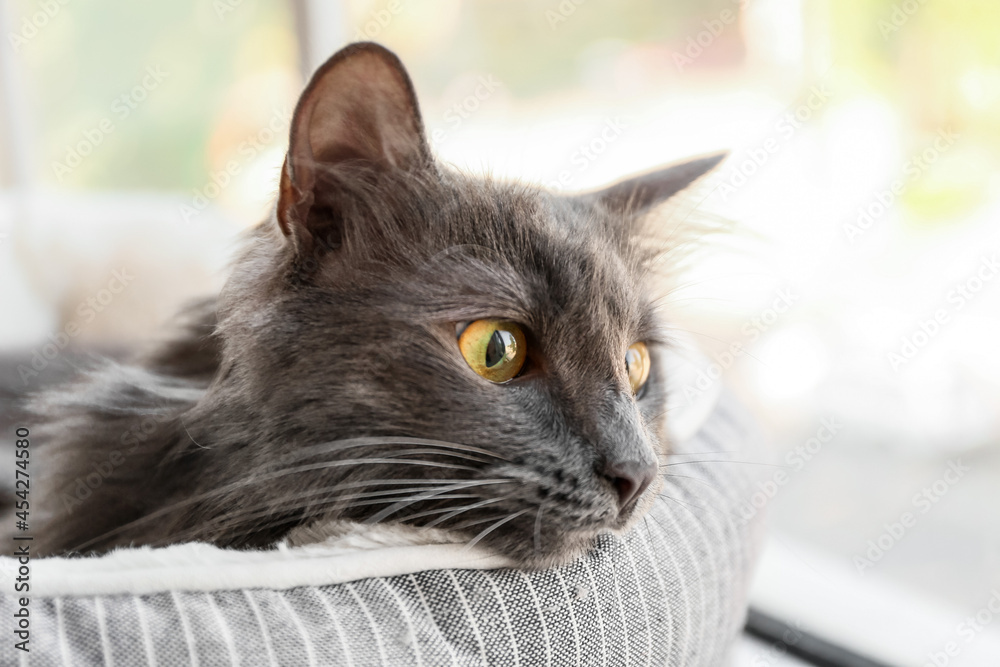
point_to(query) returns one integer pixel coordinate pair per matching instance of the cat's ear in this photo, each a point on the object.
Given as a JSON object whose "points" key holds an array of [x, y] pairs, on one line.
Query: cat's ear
{"points": [[359, 110], [639, 194]]}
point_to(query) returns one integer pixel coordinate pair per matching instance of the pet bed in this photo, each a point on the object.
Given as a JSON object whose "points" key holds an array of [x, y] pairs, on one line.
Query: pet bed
{"points": [[670, 592]]}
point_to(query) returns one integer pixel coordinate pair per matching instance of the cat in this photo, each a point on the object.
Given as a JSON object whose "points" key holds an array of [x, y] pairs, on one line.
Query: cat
{"points": [[398, 342]]}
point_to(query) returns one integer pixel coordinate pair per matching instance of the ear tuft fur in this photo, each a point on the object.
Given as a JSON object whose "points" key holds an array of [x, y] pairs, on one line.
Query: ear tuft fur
{"points": [[638, 194]]}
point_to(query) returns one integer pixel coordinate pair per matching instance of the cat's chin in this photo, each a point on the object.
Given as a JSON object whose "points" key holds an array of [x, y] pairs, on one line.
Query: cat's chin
{"points": [[569, 547], [564, 547]]}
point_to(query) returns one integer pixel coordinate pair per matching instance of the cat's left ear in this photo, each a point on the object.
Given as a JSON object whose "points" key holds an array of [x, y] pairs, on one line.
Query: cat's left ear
{"points": [[358, 112], [639, 194]]}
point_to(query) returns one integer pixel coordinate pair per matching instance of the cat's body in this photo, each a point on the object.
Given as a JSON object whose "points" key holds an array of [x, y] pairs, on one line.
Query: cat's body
{"points": [[325, 382]]}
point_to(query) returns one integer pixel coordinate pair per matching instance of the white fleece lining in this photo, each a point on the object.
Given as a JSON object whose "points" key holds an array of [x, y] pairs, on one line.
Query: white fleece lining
{"points": [[371, 551], [203, 567]]}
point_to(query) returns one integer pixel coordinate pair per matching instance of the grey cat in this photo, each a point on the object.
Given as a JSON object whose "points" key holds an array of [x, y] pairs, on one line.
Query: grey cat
{"points": [[397, 343]]}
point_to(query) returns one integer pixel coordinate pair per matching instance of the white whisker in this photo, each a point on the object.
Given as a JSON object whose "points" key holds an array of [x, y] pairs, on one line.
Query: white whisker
{"points": [[475, 540], [452, 512], [398, 506]]}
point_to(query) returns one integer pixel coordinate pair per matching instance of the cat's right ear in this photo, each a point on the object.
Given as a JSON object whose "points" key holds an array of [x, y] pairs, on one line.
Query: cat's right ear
{"points": [[359, 110]]}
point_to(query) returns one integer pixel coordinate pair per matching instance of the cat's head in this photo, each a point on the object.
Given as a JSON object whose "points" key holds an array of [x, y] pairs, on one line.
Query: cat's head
{"points": [[411, 344]]}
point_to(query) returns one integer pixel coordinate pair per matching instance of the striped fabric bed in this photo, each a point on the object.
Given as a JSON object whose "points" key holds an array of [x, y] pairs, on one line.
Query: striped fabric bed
{"points": [[671, 592]]}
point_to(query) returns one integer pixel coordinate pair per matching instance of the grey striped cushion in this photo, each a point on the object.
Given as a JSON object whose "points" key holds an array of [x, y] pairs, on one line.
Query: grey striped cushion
{"points": [[671, 592]]}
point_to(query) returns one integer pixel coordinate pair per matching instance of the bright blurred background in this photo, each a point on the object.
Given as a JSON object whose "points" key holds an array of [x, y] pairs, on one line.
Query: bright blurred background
{"points": [[859, 286]]}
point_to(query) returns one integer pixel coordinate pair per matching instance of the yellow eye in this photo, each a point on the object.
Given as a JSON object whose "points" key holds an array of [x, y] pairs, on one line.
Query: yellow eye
{"points": [[637, 363], [496, 349]]}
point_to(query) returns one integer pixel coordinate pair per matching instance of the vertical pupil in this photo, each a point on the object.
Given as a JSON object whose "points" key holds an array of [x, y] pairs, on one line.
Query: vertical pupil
{"points": [[501, 342]]}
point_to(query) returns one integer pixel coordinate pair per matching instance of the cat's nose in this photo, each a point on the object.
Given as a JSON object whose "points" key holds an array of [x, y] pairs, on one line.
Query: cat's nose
{"points": [[629, 479]]}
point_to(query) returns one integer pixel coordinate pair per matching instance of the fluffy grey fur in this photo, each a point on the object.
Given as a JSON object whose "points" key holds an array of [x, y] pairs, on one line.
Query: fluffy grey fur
{"points": [[325, 381]]}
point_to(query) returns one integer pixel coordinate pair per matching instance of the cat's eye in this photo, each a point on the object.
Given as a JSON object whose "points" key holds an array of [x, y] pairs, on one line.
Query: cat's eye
{"points": [[637, 363], [496, 349]]}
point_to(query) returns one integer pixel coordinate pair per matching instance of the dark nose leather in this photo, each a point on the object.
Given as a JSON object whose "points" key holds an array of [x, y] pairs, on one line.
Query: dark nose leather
{"points": [[629, 479]]}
